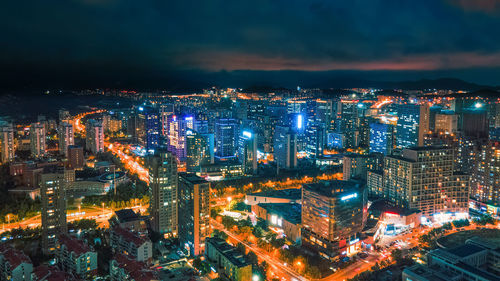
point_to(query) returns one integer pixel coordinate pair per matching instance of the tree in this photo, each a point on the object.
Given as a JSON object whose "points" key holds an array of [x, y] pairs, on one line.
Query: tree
{"points": [[397, 255]]}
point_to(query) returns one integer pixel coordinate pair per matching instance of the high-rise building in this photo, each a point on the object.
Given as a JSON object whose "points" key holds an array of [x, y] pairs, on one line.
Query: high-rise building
{"points": [[64, 115], [194, 212], [199, 150], [413, 124], [66, 137], [247, 152], [53, 194], [285, 147], [333, 213], [163, 185], [6, 143], [446, 122], [94, 140], [75, 157], [226, 131], [177, 129], [315, 139], [423, 178], [485, 176], [150, 118], [357, 165], [381, 138], [474, 122], [347, 122], [37, 140]]}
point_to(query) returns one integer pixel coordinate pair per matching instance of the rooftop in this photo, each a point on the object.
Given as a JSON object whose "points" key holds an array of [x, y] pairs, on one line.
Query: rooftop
{"points": [[230, 252], [74, 245], [13, 256], [291, 193], [466, 250], [129, 236], [334, 188], [192, 178], [51, 273], [291, 212], [139, 271], [126, 215]]}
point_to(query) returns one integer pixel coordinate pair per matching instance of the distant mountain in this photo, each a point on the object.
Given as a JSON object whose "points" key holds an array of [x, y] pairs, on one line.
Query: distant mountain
{"points": [[442, 83]]}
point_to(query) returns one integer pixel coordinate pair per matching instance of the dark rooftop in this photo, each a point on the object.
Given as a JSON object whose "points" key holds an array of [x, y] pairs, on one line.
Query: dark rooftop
{"points": [[291, 193], [192, 178], [126, 215], [230, 252], [334, 188], [291, 212], [465, 250]]}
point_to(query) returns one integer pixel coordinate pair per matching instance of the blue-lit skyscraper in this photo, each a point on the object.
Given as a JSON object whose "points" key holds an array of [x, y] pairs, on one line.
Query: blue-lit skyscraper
{"points": [[413, 124], [285, 147], [381, 138], [226, 131], [247, 151]]}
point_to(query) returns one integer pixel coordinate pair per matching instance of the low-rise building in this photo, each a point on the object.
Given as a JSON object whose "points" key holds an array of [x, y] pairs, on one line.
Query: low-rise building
{"points": [[122, 267], [476, 260], [76, 257], [284, 216], [14, 264], [125, 241], [129, 219], [50, 273], [228, 259], [291, 195]]}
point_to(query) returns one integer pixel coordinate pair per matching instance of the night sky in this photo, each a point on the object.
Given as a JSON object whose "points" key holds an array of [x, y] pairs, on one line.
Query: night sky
{"points": [[140, 43]]}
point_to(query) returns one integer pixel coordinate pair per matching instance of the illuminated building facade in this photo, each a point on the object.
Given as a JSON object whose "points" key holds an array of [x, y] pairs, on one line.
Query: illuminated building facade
{"points": [[37, 140], [94, 140], [285, 147], [199, 150], [381, 138], [66, 137], [485, 178], [413, 124], [333, 213], [423, 178], [6, 143], [247, 152], [163, 182], [194, 212], [53, 194], [226, 131]]}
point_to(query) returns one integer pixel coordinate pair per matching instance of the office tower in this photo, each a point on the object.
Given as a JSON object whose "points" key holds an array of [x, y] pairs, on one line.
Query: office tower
{"points": [[485, 176], [37, 140], [333, 213], [166, 110], [163, 188], [115, 125], [357, 165], [364, 130], [381, 138], [296, 106], [240, 109], [423, 178], [264, 128], [433, 111], [6, 143], [247, 152], [53, 194], [446, 122], [413, 124], [285, 148], [226, 131], [64, 115], [75, 157], [66, 137], [199, 150], [150, 121], [347, 122], [475, 123], [177, 128], [94, 140], [315, 139], [375, 183], [194, 212]]}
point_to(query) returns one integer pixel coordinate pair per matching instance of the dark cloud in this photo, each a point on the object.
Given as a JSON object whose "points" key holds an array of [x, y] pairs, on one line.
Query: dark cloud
{"points": [[129, 39]]}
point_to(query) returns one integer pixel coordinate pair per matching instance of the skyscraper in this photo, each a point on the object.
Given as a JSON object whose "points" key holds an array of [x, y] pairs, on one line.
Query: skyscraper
{"points": [[66, 137], [226, 131], [333, 213], [151, 136], [37, 140], [75, 157], [423, 178], [194, 212], [285, 147], [6, 143], [381, 138], [347, 122], [199, 150], [163, 183], [53, 194], [177, 128], [247, 152], [94, 140], [413, 124], [485, 176]]}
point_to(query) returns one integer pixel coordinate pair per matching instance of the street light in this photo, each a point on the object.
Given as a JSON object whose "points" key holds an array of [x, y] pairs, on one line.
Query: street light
{"points": [[255, 278]]}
